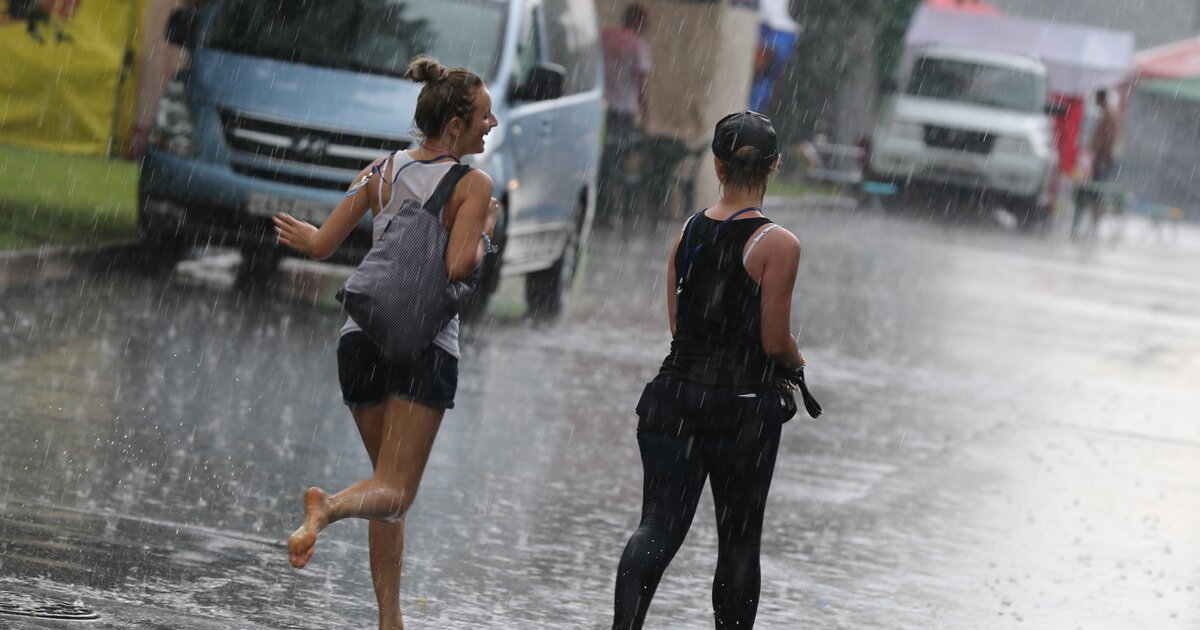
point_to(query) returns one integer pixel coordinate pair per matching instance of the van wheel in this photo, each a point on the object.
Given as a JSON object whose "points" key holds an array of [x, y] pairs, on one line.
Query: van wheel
{"points": [[475, 305], [158, 251], [546, 290], [258, 266], [157, 254]]}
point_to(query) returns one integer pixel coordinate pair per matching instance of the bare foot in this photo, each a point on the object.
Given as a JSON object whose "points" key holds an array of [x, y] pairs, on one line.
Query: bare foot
{"points": [[303, 542]]}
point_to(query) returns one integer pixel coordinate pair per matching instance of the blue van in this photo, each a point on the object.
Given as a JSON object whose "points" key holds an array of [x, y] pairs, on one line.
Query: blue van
{"points": [[283, 102]]}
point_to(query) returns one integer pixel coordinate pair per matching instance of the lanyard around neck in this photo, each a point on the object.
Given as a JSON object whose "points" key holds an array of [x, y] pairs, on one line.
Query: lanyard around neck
{"points": [[690, 253], [376, 170]]}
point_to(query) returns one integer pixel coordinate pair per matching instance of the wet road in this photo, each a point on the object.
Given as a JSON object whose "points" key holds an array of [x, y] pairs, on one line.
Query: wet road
{"points": [[1010, 441]]}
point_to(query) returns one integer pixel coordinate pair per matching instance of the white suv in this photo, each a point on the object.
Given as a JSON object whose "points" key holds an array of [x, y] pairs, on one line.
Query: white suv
{"points": [[975, 119]]}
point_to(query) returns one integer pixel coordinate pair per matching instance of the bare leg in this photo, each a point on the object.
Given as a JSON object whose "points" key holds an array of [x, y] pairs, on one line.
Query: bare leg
{"points": [[407, 439], [387, 561], [398, 436], [386, 540]]}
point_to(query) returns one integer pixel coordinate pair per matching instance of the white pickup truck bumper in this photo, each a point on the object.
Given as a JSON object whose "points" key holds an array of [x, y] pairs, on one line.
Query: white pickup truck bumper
{"points": [[905, 160]]}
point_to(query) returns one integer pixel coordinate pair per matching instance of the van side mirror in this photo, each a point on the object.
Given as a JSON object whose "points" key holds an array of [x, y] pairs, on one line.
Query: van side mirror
{"points": [[889, 86], [1056, 109], [545, 82], [181, 27]]}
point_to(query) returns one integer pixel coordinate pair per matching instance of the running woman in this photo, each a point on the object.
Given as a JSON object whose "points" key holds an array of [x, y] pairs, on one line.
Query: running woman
{"points": [[398, 408]]}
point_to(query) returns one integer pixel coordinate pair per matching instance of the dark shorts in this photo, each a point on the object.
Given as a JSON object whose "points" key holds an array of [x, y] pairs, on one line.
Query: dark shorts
{"points": [[368, 377]]}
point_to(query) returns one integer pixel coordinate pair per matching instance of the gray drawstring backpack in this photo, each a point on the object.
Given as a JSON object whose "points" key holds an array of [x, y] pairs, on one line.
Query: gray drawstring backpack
{"points": [[400, 295]]}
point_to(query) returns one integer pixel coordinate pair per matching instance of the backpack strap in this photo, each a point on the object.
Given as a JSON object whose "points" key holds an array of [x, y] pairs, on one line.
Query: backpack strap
{"points": [[445, 188]]}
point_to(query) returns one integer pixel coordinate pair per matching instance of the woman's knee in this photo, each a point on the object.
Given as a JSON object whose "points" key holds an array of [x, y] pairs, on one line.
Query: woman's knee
{"points": [[402, 497], [657, 540]]}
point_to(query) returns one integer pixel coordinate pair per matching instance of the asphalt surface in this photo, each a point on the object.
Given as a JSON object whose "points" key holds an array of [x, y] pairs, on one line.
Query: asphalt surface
{"points": [[1010, 440]]}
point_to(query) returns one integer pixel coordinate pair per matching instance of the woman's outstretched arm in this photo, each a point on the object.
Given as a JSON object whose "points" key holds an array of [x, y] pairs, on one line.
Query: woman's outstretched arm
{"points": [[320, 243]]}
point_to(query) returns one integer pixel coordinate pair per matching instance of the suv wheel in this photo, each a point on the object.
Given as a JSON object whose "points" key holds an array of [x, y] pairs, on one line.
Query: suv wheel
{"points": [[1029, 211], [546, 290]]}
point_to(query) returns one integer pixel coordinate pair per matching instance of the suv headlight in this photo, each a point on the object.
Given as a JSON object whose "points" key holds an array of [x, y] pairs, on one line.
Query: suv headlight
{"points": [[173, 130], [906, 130], [1019, 146]]}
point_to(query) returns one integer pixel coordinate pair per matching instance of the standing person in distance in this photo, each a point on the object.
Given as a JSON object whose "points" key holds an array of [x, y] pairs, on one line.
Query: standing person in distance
{"points": [[398, 408], [1104, 140], [627, 68], [715, 411]]}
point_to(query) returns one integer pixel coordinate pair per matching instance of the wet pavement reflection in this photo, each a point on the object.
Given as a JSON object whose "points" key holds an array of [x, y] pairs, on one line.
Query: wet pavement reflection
{"points": [[1009, 441]]}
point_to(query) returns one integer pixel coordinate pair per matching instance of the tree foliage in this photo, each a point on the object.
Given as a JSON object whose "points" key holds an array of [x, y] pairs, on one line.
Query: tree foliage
{"points": [[825, 54]]}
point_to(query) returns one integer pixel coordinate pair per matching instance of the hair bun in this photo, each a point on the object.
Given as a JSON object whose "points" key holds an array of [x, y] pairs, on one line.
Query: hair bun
{"points": [[748, 155], [425, 69]]}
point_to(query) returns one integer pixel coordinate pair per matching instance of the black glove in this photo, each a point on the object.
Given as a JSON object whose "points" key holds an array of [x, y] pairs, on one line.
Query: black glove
{"points": [[787, 380]]}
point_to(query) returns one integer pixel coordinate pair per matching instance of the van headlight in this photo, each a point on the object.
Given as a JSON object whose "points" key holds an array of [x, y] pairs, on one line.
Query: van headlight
{"points": [[906, 130], [1018, 146], [173, 130]]}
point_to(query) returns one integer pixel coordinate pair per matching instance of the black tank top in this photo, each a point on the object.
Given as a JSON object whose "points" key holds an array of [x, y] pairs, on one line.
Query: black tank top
{"points": [[718, 311]]}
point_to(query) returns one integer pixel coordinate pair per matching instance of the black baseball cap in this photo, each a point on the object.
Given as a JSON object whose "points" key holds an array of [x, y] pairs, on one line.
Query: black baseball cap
{"points": [[745, 129]]}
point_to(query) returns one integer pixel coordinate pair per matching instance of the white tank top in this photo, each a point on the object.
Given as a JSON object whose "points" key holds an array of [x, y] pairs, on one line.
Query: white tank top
{"points": [[418, 181]]}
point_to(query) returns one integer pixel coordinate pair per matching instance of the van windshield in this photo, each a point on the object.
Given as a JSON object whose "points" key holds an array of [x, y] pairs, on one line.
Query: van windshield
{"points": [[374, 36], [963, 81]]}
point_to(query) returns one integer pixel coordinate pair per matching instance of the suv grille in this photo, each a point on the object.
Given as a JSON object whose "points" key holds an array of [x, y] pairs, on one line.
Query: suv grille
{"points": [[958, 139], [337, 155]]}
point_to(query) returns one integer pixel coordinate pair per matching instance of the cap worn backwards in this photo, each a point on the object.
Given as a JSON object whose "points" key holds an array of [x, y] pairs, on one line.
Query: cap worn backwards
{"points": [[745, 129]]}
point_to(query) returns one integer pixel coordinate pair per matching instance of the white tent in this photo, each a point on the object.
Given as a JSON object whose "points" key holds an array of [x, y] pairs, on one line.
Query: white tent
{"points": [[1079, 59]]}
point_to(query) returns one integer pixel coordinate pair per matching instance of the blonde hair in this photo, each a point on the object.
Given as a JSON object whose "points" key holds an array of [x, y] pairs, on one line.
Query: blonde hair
{"points": [[448, 93]]}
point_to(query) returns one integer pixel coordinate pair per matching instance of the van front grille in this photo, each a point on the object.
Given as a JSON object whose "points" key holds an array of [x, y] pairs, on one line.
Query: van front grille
{"points": [[958, 139], [307, 181], [275, 143]]}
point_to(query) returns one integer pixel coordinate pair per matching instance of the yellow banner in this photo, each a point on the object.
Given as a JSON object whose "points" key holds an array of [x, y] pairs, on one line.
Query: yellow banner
{"points": [[61, 65]]}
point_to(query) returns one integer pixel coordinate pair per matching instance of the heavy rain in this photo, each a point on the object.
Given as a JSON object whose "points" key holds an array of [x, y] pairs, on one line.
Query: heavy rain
{"points": [[996, 302]]}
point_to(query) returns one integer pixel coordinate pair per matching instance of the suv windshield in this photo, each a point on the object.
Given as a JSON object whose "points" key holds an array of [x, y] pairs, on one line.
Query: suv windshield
{"points": [[991, 86], [375, 36]]}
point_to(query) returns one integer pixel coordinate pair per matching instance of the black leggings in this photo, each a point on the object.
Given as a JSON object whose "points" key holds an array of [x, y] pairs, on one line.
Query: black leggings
{"points": [[740, 461]]}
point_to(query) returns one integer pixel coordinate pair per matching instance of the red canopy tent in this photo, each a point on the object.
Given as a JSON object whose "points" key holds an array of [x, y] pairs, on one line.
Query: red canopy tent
{"points": [[1177, 60], [971, 6]]}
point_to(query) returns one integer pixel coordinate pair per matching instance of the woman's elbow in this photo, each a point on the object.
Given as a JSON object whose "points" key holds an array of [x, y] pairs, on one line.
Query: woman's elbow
{"points": [[775, 351], [319, 252], [460, 271], [778, 346]]}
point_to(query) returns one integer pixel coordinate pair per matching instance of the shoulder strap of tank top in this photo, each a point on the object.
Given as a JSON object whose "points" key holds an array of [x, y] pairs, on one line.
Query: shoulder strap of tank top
{"points": [[690, 253], [396, 175], [377, 168], [754, 243]]}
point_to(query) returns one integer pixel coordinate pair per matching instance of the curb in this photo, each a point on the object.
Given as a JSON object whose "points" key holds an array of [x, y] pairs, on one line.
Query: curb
{"points": [[45, 263]]}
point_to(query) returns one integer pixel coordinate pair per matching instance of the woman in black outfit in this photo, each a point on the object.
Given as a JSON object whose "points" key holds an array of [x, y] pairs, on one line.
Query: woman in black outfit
{"points": [[714, 410]]}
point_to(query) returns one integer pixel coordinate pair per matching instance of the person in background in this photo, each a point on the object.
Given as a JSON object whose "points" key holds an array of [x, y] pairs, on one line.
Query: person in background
{"points": [[716, 409], [1102, 146], [1103, 143], [627, 67]]}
